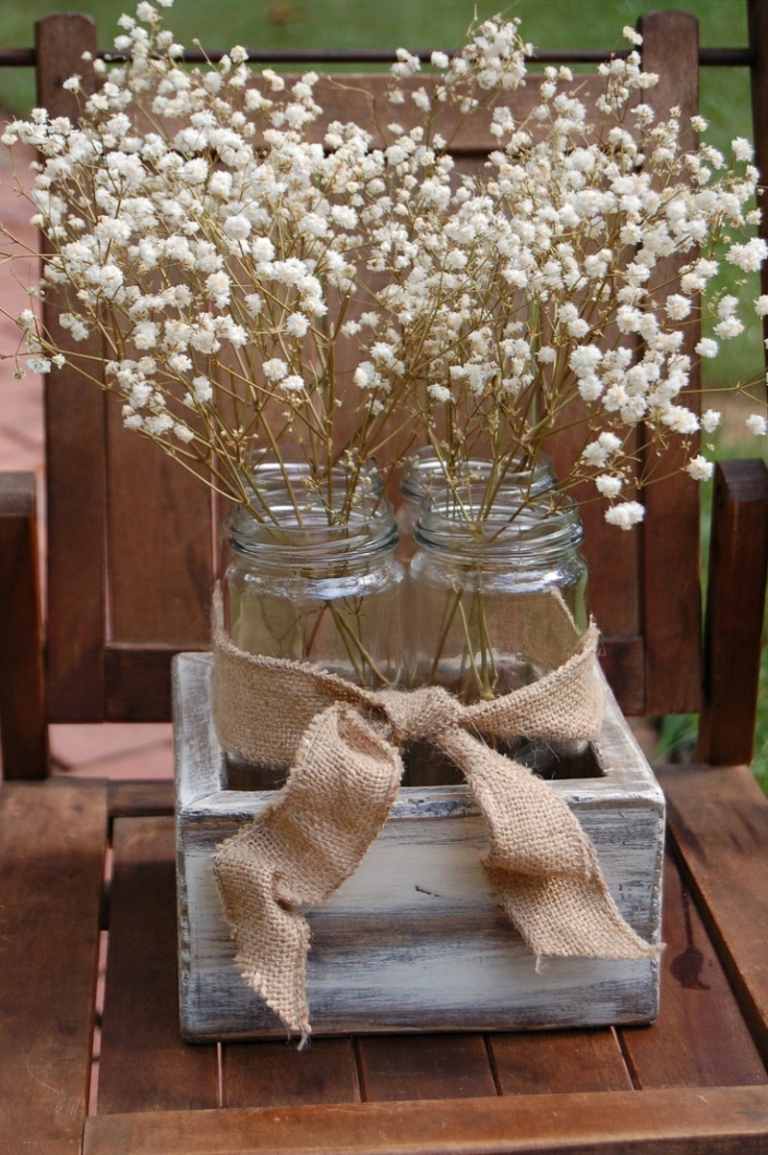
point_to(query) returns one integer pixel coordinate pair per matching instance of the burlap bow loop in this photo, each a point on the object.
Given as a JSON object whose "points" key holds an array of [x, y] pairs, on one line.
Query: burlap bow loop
{"points": [[343, 744]]}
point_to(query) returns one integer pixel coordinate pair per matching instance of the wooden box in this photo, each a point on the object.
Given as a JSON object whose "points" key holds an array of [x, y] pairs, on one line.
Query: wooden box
{"points": [[413, 940]]}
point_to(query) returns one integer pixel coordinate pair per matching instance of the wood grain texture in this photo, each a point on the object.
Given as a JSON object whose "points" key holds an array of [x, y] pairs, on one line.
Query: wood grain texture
{"points": [[414, 939], [277, 1075], [75, 447], [623, 663], [700, 1038], [724, 1121], [670, 536], [144, 1065], [738, 563], [157, 594], [559, 1061], [140, 799], [395, 1067], [53, 837], [718, 818], [23, 723], [138, 682]]}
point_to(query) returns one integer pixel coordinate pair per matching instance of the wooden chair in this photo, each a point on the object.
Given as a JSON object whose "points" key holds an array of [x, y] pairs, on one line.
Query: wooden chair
{"points": [[84, 864]]}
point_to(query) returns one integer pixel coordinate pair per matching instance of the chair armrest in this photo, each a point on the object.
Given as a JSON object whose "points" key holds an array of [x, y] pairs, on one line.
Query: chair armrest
{"points": [[23, 730], [735, 602]]}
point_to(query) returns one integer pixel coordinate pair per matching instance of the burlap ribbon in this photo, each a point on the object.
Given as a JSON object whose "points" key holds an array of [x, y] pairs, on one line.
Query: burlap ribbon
{"points": [[344, 743]]}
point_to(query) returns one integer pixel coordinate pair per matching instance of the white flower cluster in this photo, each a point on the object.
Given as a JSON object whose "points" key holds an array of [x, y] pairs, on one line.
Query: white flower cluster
{"points": [[216, 243]]}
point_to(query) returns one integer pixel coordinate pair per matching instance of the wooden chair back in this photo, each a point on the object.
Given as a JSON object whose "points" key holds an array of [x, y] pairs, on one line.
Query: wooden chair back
{"points": [[131, 537]]}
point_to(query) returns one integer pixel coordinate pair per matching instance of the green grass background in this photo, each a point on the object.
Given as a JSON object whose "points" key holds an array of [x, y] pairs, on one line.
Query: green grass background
{"points": [[426, 24]]}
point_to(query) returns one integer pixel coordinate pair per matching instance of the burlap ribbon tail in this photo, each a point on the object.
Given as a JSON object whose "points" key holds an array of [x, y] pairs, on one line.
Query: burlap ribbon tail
{"points": [[343, 743]]}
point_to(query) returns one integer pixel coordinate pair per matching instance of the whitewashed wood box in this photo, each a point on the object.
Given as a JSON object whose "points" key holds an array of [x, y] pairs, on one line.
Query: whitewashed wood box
{"points": [[413, 940]]}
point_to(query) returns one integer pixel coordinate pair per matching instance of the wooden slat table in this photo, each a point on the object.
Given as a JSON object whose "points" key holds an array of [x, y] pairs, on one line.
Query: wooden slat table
{"points": [[694, 1083]]}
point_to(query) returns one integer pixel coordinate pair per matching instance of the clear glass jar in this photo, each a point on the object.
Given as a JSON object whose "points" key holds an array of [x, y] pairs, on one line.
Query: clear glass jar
{"points": [[313, 580], [493, 601], [423, 476]]}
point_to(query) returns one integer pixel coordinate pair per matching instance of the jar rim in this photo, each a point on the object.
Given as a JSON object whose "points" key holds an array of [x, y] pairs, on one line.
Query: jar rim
{"points": [[507, 533], [304, 526], [424, 474]]}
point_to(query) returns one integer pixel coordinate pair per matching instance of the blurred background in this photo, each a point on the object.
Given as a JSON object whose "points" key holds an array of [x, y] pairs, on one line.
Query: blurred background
{"points": [[287, 25]]}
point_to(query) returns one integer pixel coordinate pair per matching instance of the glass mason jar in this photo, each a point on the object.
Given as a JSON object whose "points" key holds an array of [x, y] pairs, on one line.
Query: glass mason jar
{"points": [[313, 580], [423, 476], [493, 603]]}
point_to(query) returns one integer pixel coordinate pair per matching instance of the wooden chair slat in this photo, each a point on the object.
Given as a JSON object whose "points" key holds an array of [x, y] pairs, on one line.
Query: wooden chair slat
{"points": [[362, 99], [735, 599], [23, 732], [144, 1064], [670, 578], [160, 544], [726, 1120], [539, 1063], [425, 1067], [700, 1038], [76, 461], [275, 1075], [718, 818], [140, 799], [53, 840]]}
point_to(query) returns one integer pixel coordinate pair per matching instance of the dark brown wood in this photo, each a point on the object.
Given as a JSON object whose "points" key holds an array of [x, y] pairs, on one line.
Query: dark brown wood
{"points": [[669, 581], [138, 682], [23, 724], [738, 563], [157, 593], [757, 19], [140, 799], [425, 1067], [53, 838], [700, 1038], [75, 447], [550, 1062], [710, 57], [144, 1064], [277, 1075], [623, 661], [718, 818], [724, 1121]]}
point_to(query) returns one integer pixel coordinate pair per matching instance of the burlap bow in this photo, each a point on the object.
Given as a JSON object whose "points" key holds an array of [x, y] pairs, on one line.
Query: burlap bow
{"points": [[344, 746]]}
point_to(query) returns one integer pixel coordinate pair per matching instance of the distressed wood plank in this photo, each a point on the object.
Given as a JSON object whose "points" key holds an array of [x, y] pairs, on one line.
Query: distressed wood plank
{"points": [[724, 1121], [425, 1067], [719, 822], [414, 939], [144, 1064], [559, 1061], [738, 562], [53, 839], [278, 1075], [671, 612], [76, 507], [23, 724], [700, 1038]]}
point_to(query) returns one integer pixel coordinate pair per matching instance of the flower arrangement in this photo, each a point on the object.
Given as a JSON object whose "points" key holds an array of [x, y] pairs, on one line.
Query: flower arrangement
{"points": [[217, 245], [197, 225]]}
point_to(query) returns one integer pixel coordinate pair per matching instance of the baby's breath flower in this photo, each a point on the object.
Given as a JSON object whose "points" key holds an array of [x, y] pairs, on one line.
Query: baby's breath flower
{"points": [[625, 515], [757, 425], [699, 468]]}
